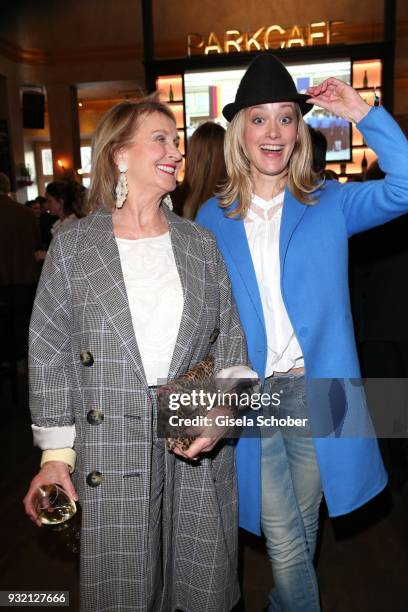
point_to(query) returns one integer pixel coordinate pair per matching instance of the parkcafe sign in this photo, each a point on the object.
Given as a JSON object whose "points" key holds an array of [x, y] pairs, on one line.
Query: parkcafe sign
{"points": [[272, 37]]}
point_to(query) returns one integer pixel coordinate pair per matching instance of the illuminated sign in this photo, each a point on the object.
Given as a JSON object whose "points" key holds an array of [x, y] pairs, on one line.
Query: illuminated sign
{"points": [[272, 37]]}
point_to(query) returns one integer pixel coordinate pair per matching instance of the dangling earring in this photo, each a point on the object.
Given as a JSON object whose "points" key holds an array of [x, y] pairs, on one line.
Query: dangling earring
{"points": [[121, 189], [167, 201]]}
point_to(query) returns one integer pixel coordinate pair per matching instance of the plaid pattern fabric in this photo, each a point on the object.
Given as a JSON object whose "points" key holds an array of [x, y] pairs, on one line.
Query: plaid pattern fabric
{"points": [[81, 305]]}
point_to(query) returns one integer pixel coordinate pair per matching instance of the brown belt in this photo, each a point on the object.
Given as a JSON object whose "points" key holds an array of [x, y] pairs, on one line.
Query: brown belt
{"points": [[294, 371]]}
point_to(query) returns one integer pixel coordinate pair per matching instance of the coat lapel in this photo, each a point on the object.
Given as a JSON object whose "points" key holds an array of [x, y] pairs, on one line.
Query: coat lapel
{"points": [[234, 235], [292, 215], [100, 262], [191, 268]]}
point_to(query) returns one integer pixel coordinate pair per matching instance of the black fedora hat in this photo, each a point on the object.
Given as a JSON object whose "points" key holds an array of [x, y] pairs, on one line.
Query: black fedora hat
{"points": [[266, 80]]}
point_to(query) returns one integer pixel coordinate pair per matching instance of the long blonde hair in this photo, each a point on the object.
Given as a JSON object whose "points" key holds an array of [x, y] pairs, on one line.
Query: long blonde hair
{"points": [[301, 180], [115, 130], [205, 167]]}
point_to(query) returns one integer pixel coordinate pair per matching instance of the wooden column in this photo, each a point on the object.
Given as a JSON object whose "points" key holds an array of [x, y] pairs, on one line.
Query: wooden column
{"points": [[64, 129]]}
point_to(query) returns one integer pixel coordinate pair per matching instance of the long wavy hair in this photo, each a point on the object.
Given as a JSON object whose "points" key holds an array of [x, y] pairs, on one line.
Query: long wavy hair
{"points": [[301, 179], [205, 167], [116, 130]]}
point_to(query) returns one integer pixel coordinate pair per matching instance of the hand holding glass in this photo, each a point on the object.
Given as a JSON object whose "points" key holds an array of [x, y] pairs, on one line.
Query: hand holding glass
{"points": [[53, 505]]}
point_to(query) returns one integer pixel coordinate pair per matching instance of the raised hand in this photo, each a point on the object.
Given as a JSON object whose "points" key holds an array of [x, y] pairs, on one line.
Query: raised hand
{"points": [[339, 98]]}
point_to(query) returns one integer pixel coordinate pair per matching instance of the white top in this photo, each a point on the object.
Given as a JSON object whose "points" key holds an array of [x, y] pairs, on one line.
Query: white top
{"points": [[262, 226], [156, 300]]}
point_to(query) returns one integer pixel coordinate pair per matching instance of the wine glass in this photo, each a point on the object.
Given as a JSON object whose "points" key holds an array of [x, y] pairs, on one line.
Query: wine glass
{"points": [[53, 505]]}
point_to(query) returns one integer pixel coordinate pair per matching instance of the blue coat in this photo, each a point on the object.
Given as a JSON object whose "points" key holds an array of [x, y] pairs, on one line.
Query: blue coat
{"points": [[314, 285]]}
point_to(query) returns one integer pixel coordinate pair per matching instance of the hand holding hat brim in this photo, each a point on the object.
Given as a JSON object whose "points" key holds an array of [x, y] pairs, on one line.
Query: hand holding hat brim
{"points": [[339, 98]]}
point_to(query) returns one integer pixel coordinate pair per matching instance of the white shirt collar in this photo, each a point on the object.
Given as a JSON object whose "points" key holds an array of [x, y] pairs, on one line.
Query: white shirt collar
{"points": [[278, 199]]}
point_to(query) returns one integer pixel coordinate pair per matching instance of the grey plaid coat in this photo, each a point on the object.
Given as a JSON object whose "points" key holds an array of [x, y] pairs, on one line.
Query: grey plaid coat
{"points": [[82, 305]]}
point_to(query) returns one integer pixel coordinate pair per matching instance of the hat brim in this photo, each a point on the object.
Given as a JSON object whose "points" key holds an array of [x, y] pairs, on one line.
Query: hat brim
{"points": [[230, 110]]}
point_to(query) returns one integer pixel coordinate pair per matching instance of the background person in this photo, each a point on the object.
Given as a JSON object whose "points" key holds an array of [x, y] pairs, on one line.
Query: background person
{"points": [[47, 220], [378, 268], [65, 202], [19, 239], [205, 169], [319, 151]]}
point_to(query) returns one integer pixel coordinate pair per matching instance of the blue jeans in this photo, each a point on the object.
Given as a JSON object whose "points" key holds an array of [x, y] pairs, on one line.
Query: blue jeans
{"points": [[291, 496]]}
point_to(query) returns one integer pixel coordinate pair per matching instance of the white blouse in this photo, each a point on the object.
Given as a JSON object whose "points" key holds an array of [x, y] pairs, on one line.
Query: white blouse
{"points": [[262, 226], [156, 300]]}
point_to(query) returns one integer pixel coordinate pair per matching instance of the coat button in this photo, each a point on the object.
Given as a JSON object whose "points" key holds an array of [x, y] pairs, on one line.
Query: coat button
{"points": [[214, 336], [86, 358], [95, 417], [94, 479]]}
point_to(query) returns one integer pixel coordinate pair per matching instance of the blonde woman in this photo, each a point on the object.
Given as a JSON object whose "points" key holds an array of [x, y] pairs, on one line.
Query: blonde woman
{"points": [[129, 296], [283, 234]]}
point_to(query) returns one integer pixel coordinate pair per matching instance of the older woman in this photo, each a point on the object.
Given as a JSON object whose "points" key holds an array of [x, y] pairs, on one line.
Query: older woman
{"points": [[283, 233], [129, 296]]}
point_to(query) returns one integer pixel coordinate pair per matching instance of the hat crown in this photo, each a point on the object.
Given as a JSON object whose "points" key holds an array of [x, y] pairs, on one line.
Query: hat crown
{"points": [[266, 80], [268, 77]]}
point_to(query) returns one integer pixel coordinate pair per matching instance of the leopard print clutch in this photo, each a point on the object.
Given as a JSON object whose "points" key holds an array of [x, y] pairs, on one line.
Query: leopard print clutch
{"points": [[199, 379], [200, 376]]}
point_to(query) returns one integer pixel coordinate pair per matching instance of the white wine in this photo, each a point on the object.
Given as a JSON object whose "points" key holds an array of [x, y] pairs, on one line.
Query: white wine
{"points": [[53, 505], [55, 516]]}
